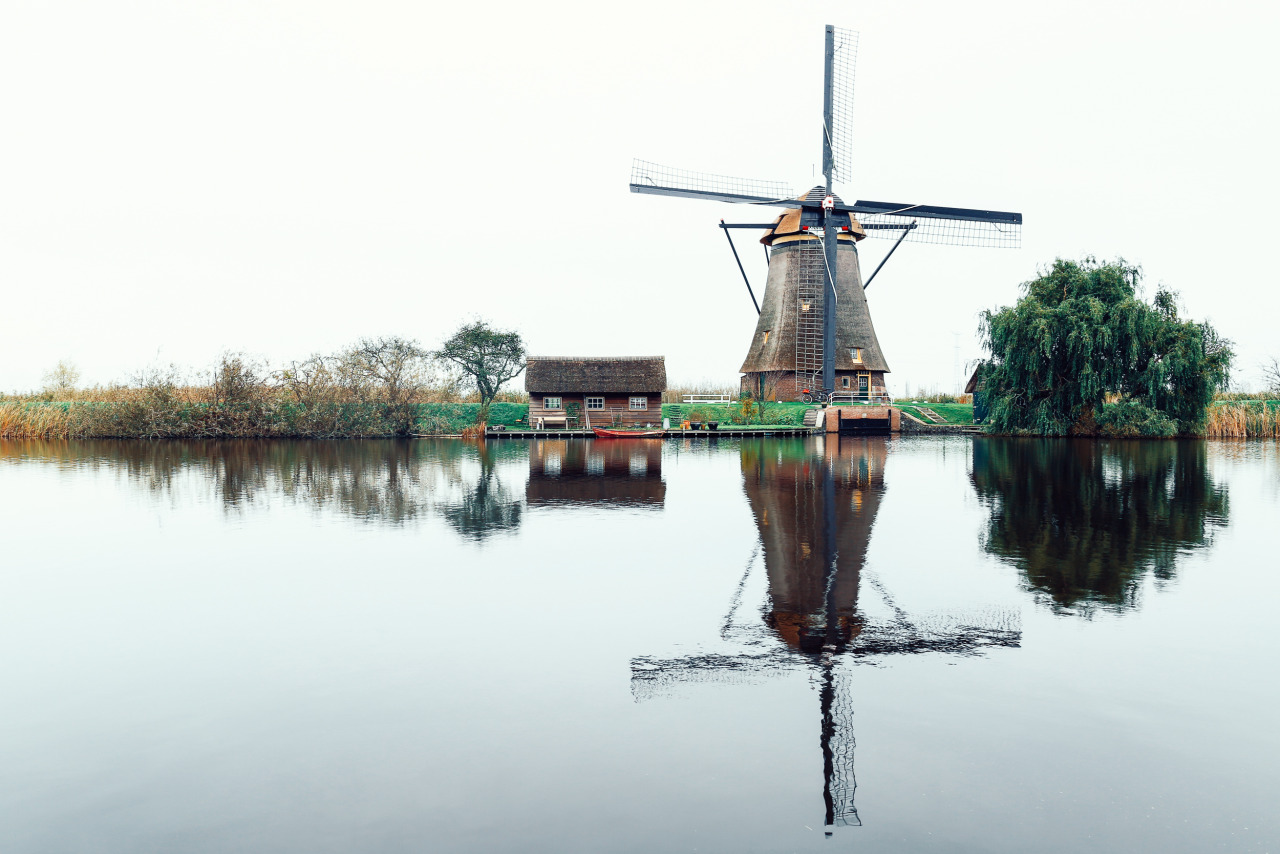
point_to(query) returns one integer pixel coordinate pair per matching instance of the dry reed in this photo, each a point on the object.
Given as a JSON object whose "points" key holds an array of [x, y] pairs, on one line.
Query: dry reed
{"points": [[1244, 420]]}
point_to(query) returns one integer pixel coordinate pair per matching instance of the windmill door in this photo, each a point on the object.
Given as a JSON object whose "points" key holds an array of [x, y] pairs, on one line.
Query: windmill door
{"points": [[864, 386]]}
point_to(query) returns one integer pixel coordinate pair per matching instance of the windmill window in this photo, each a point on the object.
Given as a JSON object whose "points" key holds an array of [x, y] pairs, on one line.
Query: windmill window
{"points": [[551, 403], [640, 403], [595, 403], [857, 354], [766, 335], [804, 306], [844, 381]]}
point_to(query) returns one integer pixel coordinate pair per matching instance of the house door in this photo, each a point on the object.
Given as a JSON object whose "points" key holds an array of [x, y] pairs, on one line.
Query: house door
{"points": [[864, 386]]}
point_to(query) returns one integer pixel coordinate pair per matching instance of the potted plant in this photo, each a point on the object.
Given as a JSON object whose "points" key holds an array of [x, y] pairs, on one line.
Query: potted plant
{"points": [[713, 425]]}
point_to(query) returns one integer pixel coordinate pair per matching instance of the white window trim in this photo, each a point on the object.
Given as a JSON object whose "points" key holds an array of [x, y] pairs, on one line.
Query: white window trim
{"points": [[644, 404], [546, 403], [595, 408]]}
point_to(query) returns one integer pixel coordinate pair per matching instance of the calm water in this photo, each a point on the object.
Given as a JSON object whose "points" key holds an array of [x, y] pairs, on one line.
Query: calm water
{"points": [[769, 645]]}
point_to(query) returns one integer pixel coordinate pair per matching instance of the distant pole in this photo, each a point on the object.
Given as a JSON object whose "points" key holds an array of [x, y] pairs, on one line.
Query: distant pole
{"points": [[828, 220]]}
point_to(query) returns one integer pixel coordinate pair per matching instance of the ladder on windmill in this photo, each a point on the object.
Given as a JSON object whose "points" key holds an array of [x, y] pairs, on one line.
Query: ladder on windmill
{"points": [[810, 275]]}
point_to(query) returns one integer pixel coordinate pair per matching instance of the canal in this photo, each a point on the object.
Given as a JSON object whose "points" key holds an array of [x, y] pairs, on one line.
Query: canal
{"points": [[779, 644]]}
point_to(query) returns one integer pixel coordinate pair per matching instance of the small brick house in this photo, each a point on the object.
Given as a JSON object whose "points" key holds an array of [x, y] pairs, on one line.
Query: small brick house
{"points": [[599, 391]]}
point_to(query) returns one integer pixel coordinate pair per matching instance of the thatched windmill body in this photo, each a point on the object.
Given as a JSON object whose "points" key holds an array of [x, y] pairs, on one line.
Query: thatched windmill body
{"points": [[814, 335]]}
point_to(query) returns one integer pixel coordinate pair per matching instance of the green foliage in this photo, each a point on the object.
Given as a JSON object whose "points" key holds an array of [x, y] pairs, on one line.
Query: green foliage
{"points": [[488, 357], [1132, 419], [1080, 335]]}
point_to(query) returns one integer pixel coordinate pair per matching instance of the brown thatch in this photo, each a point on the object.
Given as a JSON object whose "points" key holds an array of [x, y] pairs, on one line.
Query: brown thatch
{"points": [[601, 374]]}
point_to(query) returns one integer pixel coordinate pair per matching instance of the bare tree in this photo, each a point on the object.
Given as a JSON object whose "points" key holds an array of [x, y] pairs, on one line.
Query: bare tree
{"points": [[62, 379], [1271, 374], [392, 371]]}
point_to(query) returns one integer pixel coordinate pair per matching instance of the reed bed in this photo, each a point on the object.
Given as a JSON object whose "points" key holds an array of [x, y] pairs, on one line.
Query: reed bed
{"points": [[1246, 419]]}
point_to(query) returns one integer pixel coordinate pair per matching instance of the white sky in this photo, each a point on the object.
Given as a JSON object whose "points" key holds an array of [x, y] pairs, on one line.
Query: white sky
{"points": [[281, 178]]}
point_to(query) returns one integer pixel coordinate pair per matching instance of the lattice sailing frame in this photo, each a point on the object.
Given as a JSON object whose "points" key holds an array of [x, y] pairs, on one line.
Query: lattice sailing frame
{"points": [[844, 61]]}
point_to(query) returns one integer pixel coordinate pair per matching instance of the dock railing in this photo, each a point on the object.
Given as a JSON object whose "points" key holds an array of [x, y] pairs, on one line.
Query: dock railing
{"points": [[707, 399]]}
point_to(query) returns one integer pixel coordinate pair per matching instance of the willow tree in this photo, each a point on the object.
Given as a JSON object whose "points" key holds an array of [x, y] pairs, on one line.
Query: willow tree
{"points": [[1083, 354]]}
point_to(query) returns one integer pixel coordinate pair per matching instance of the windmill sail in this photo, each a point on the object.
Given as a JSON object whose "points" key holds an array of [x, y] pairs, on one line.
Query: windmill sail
{"points": [[843, 62], [661, 180], [945, 226]]}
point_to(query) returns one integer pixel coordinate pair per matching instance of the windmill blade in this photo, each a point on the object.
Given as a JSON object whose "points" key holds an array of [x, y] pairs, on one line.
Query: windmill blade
{"points": [[946, 226], [844, 60], [661, 180]]}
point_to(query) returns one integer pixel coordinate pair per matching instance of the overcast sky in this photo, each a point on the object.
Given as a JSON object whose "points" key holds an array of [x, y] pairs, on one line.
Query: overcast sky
{"points": [[281, 178]]}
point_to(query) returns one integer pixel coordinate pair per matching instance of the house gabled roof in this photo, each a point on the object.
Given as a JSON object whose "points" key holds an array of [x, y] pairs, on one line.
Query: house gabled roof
{"points": [[599, 374]]}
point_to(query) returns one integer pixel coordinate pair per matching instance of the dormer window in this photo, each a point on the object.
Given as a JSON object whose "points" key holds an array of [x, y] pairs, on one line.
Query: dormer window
{"points": [[857, 354], [766, 335]]}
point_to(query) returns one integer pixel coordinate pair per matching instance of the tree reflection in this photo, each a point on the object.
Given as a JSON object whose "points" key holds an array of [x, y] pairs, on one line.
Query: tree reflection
{"points": [[1084, 521], [394, 482]]}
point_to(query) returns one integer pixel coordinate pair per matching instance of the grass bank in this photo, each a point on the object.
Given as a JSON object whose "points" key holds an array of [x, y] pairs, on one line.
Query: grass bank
{"points": [[951, 413], [144, 418]]}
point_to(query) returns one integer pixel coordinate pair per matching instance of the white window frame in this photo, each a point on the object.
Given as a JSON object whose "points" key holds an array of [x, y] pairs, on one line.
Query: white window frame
{"points": [[644, 404], [844, 381], [595, 404], [552, 403]]}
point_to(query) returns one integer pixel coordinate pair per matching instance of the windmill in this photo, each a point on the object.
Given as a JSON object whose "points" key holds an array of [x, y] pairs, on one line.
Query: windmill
{"points": [[814, 323], [815, 513]]}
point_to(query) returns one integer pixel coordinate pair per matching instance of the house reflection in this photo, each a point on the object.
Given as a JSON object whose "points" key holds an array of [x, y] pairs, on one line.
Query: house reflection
{"points": [[605, 472], [1085, 521]]}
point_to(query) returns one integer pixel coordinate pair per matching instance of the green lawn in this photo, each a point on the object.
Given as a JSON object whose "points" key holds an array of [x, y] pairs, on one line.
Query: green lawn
{"points": [[952, 413]]}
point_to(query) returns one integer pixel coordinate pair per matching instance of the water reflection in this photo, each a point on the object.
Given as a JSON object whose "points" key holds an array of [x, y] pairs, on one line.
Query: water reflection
{"points": [[617, 473], [385, 481], [1085, 521], [815, 506]]}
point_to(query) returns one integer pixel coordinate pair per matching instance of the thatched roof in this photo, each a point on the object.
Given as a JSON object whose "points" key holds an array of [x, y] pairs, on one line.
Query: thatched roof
{"points": [[613, 375]]}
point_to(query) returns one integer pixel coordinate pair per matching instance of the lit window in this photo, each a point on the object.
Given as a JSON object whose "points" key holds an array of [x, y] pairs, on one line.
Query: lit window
{"points": [[640, 403], [595, 403], [551, 403]]}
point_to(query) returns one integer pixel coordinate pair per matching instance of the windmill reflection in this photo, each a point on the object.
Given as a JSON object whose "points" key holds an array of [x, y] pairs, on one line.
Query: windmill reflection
{"points": [[815, 504], [1085, 521]]}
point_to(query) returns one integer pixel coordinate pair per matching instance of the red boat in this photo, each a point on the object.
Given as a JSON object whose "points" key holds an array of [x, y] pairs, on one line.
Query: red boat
{"points": [[602, 433]]}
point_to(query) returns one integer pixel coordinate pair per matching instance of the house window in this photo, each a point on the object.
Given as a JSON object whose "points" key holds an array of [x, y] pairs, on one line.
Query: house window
{"points": [[551, 403], [641, 403], [844, 381], [595, 403]]}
